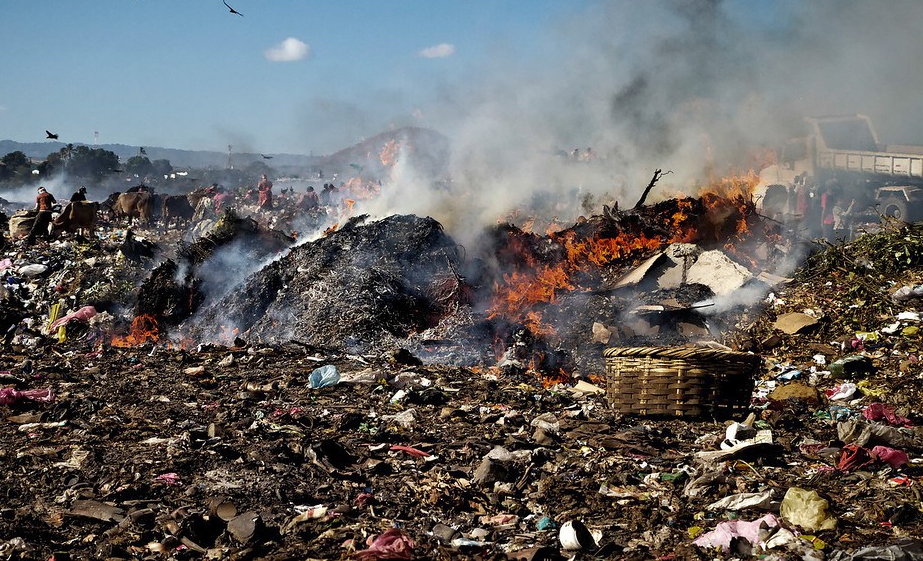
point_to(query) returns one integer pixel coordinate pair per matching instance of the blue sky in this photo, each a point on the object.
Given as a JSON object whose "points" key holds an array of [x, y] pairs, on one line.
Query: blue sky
{"points": [[189, 74], [652, 83]]}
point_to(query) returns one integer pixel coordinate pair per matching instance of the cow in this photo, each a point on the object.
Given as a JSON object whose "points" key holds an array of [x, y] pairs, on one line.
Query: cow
{"points": [[138, 205], [77, 217], [176, 208], [106, 207]]}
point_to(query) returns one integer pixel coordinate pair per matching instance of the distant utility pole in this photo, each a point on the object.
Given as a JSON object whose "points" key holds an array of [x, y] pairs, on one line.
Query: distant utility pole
{"points": [[230, 147]]}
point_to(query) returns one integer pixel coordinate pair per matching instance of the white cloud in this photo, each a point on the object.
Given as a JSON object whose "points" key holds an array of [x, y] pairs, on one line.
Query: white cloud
{"points": [[442, 50], [289, 50]]}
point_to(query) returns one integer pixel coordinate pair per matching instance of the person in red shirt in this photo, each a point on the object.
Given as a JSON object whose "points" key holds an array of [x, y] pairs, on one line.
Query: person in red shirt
{"points": [[44, 204], [265, 189], [223, 199]]}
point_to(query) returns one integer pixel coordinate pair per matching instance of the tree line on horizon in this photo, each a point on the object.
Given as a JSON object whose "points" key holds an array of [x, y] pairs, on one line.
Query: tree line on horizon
{"points": [[99, 167]]}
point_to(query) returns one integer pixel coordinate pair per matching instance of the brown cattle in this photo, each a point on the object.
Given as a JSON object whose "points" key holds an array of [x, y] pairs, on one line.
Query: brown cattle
{"points": [[138, 205], [77, 217], [176, 208]]}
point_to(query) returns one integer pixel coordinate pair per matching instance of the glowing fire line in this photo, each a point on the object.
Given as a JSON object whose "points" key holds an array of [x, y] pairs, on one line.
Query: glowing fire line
{"points": [[144, 329]]}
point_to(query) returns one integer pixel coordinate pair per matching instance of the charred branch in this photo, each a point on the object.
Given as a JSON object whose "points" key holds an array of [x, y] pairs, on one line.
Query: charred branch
{"points": [[654, 179]]}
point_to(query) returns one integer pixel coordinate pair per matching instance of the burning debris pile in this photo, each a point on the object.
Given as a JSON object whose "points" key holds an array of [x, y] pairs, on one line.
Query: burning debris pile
{"points": [[580, 288], [525, 300]]}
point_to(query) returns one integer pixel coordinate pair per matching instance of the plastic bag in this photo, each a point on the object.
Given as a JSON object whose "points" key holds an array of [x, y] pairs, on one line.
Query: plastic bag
{"points": [[324, 376], [806, 509], [12, 395], [390, 544]]}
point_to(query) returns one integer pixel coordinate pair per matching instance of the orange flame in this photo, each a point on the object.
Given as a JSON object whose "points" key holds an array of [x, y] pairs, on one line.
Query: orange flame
{"points": [[388, 154], [541, 283], [603, 251], [228, 334], [523, 290], [144, 329]]}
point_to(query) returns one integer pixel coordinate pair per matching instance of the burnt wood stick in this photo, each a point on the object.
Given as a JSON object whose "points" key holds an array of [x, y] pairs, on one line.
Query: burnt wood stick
{"points": [[657, 175]]}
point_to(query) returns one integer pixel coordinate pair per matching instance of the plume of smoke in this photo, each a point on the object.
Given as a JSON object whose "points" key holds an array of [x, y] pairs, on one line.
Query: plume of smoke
{"points": [[59, 186], [692, 87]]}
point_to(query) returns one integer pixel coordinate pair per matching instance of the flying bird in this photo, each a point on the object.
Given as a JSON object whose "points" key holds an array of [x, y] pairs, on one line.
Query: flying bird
{"points": [[265, 157], [233, 11], [51, 135]]}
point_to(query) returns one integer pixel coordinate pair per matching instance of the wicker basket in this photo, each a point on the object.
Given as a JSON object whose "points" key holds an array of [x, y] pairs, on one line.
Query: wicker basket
{"points": [[679, 381]]}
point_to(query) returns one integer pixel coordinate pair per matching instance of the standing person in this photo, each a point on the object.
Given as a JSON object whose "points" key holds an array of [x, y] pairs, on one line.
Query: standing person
{"points": [[309, 201], [827, 200], [223, 199], [802, 204], [842, 219], [80, 195], [44, 203], [265, 190]]}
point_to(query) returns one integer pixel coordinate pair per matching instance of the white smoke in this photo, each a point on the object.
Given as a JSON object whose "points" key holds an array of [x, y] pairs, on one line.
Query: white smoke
{"points": [[60, 186], [694, 87]]}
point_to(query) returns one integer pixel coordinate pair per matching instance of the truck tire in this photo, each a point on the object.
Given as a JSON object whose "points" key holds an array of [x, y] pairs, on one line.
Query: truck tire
{"points": [[893, 207]]}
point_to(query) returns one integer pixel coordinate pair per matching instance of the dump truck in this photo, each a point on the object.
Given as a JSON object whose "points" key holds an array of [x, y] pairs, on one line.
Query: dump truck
{"points": [[885, 180]]}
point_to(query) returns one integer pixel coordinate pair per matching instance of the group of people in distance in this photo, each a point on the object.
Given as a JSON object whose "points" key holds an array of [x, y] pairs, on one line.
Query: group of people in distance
{"points": [[216, 198], [822, 212]]}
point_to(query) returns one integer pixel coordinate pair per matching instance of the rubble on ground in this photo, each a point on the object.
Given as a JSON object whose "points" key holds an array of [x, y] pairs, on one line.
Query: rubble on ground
{"points": [[313, 431]]}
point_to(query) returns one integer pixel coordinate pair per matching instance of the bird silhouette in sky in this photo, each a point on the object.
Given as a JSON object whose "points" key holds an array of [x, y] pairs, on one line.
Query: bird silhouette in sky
{"points": [[51, 135], [233, 11], [265, 157]]}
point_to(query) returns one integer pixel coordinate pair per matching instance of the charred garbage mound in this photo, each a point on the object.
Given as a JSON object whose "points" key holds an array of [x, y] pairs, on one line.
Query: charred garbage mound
{"points": [[176, 288], [359, 287]]}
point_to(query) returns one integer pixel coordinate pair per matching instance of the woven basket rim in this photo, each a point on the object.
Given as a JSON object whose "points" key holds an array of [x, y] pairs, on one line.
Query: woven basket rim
{"points": [[679, 353]]}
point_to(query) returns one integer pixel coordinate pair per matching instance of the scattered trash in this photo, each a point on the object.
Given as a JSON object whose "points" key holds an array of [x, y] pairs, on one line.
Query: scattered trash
{"points": [[795, 322], [390, 544], [852, 366], [903, 549], [575, 536], [12, 395], [756, 533], [841, 392], [743, 501], [881, 412]]}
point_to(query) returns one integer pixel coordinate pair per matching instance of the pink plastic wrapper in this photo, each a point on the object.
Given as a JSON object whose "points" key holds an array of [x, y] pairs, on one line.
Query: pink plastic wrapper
{"points": [[726, 531], [890, 456], [879, 411], [83, 314], [390, 544], [168, 478], [12, 395]]}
